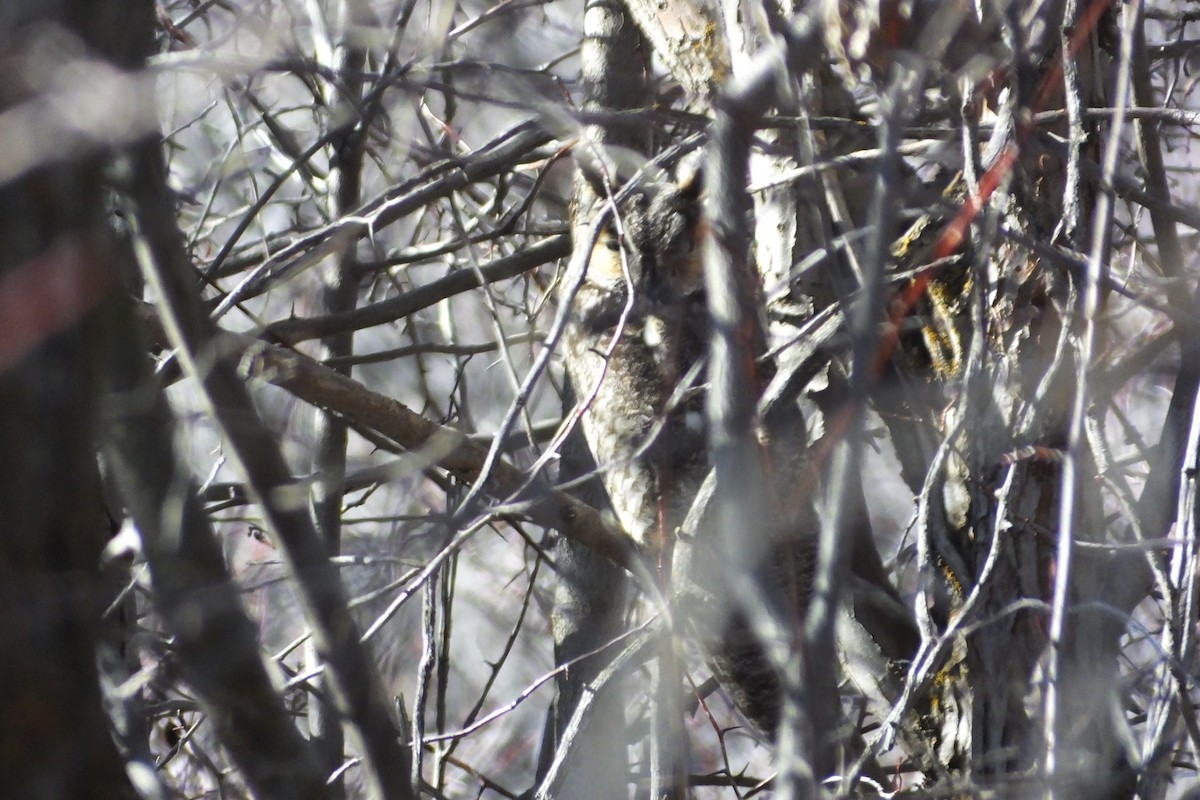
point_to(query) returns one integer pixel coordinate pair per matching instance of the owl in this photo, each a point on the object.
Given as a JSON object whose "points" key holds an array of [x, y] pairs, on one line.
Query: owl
{"points": [[635, 348], [634, 351], [637, 333]]}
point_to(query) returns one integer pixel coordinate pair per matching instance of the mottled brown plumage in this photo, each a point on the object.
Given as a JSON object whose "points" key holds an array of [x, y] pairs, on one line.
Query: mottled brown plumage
{"points": [[634, 351], [638, 331]]}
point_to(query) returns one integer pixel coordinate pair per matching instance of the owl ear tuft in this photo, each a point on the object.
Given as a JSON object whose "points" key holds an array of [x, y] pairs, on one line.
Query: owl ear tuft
{"points": [[689, 176], [607, 168], [597, 174]]}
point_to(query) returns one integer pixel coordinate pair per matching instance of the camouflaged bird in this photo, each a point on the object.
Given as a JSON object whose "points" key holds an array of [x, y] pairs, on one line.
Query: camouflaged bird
{"points": [[634, 352], [637, 334]]}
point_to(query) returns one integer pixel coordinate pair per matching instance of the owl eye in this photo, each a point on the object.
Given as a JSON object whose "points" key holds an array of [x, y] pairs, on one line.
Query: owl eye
{"points": [[606, 264], [681, 251], [681, 238], [683, 245]]}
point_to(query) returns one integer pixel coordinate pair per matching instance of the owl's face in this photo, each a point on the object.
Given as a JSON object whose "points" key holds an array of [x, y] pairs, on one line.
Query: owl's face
{"points": [[638, 326], [652, 244]]}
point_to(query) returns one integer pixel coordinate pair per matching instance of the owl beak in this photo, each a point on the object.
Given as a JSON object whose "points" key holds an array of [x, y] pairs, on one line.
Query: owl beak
{"points": [[689, 274]]}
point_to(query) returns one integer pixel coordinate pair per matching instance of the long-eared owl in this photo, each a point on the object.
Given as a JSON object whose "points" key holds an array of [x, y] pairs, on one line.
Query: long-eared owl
{"points": [[634, 351], [637, 331]]}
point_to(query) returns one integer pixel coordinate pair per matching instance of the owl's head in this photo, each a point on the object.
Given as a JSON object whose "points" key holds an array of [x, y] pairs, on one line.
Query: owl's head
{"points": [[651, 240]]}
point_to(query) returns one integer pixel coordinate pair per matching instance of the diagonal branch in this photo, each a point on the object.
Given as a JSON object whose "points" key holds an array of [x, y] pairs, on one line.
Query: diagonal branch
{"points": [[214, 641], [512, 147], [299, 329], [452, 450], [254, 451]]}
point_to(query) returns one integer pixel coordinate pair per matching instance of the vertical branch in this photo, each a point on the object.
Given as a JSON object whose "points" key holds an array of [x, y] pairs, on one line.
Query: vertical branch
{"points": [[1177, 638], [254, 451], [1166, 236], [777, 234], [56, 261], [445, 628], [588, 738], [214, 642], [1186, 582], [742, 502], [1071, 494], [864, 316], [429, 654], [1076, 136], [738, 341], [1168, 474], [57, 264], [339, 294], [1155, 506]]}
